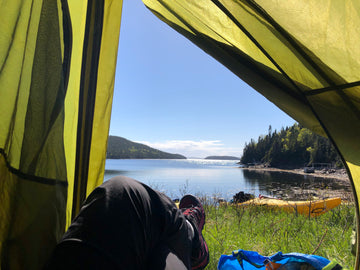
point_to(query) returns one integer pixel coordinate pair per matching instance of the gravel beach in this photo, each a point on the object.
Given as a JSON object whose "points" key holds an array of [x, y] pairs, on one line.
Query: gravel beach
{"points": [[339, 176]]}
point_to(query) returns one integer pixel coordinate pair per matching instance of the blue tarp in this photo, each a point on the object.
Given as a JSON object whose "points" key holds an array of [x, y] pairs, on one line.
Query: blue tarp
{"points": [[251, 260]]}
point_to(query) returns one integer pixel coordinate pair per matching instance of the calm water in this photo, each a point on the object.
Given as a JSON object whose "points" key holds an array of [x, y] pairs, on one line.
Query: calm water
{"points": [[207, 177]]}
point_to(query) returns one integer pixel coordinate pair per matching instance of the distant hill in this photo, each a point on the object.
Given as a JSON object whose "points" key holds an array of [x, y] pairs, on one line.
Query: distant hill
{"points": [[223, 157], [121, 148]]}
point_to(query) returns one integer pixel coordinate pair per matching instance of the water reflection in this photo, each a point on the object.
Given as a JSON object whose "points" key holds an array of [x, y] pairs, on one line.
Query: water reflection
{"points": [[294, 186], [223, 178]]}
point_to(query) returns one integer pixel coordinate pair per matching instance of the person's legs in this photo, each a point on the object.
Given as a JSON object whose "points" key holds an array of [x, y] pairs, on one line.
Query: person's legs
{"points": [[194, 212], [127, 224], [76, 255], [163, 259]]}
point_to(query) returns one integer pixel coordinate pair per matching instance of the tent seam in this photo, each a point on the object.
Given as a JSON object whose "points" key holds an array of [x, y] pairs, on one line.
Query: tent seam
{"points": [[89, 73], [257, 44], [32, 178], [331, 88]]}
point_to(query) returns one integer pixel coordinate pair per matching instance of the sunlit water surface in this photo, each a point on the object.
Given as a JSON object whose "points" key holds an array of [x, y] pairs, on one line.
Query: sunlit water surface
{"points": [[222, 178]]}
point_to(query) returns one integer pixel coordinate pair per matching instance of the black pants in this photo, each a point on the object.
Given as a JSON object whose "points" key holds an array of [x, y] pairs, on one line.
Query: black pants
{"points": [[125, 224]]}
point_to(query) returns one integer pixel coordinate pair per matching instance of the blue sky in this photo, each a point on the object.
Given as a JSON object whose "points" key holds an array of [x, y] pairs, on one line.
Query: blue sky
{"points": [[171, 95]]}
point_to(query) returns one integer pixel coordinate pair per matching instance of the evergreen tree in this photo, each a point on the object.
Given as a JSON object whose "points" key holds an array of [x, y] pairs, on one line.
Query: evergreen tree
{"points": [[293, 146]]}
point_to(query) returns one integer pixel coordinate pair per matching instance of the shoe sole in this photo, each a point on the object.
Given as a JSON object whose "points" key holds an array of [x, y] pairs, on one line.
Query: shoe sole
{"points": [[191, 201]]}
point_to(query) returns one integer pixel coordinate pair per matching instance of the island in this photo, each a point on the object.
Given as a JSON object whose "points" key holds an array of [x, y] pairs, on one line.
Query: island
{"points": [[121, 148], [222, 158]]}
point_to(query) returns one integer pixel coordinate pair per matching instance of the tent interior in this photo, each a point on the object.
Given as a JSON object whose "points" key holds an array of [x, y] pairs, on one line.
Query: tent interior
{"points": [[57, 69]]}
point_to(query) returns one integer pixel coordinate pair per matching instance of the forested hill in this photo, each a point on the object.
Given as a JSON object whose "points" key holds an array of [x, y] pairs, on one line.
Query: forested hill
{"points": [[121, 148], [293, 146]]}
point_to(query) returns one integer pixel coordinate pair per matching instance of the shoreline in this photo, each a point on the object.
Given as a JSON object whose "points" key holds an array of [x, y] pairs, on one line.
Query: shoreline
{"points": [[339, 176]]}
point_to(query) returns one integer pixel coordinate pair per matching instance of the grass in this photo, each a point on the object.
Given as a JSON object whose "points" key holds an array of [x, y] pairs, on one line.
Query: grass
{"points": [[267, 231]]}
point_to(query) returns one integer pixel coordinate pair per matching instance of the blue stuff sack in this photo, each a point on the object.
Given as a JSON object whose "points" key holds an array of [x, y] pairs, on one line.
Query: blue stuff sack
{"points": [[251, 260]]}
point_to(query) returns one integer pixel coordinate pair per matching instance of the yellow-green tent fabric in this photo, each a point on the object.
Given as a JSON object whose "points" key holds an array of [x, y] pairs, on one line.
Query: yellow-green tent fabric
{"points": [[57, 68], [57, 63], [304, 56]]}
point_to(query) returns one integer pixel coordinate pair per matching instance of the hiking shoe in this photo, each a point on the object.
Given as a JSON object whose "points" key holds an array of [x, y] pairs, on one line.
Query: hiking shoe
{"points": [[194, 212]]}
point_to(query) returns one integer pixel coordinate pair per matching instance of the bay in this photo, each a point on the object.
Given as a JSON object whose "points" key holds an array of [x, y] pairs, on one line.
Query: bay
{"points": [[219, 178]]}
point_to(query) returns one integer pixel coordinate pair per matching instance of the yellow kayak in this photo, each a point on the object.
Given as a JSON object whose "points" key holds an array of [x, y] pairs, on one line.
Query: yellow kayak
{"points": [[312, 208]]}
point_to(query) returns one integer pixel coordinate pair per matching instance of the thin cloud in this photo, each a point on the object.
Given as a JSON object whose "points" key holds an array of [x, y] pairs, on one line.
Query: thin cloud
{"points": [[190, 148]]}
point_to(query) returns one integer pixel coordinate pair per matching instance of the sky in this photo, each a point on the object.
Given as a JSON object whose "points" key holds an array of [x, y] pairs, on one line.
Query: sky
{"points": [[171, 95]]}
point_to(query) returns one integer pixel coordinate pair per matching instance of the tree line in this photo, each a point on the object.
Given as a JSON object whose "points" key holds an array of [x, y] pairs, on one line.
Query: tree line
{"points": [[291, 147], [121, 148]]}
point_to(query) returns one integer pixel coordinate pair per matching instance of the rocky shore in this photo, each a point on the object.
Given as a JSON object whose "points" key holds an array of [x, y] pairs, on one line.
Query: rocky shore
{"points": [[339, 177]]}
